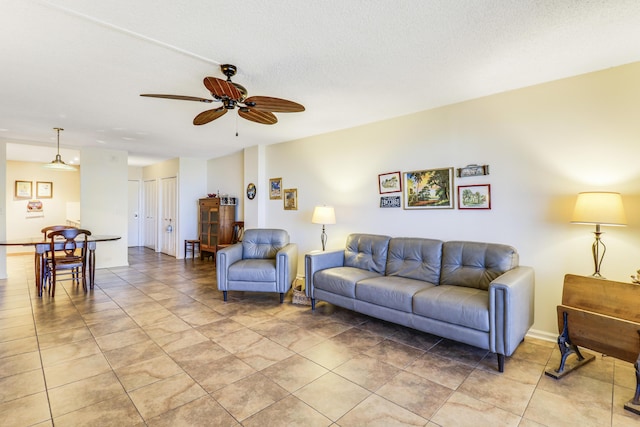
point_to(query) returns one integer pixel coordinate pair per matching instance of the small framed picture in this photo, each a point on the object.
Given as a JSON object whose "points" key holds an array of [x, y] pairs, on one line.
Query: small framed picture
{"points": [[472, 170], [429, 189], [474, 196], [275, 188], [290, 199], [389, 182], [23, 189], [44, 190]]}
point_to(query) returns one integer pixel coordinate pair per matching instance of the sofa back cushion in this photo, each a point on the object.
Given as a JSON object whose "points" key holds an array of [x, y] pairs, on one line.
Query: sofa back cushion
{"points": [[475, 264], [367, 251], [263, 243], [415, 258]]}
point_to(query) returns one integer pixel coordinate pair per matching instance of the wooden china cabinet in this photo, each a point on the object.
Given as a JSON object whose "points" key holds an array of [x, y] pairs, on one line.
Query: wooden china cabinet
{"points": [[215, 225]]}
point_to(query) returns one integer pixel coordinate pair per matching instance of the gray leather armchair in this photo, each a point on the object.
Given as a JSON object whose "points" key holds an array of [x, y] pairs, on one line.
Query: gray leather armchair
{"points": [[265, 261]]}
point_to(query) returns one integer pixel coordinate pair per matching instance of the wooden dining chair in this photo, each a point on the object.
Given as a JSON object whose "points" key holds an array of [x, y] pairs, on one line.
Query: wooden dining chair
{"points": [[71, 257], [46, 276], [236, 235]]}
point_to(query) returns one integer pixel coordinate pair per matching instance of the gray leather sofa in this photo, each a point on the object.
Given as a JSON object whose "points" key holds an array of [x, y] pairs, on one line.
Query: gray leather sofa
{"points": [[265, 261], [471, 292]]}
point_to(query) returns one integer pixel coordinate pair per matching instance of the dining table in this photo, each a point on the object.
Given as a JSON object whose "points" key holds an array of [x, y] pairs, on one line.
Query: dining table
{"points": [[41, 246]]}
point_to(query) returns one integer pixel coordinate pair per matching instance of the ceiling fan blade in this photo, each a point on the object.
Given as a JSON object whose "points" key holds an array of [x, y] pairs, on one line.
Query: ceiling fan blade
{"points": [[221, 88], [209, 116], [276, 105], [263, 117], [180, 97]]}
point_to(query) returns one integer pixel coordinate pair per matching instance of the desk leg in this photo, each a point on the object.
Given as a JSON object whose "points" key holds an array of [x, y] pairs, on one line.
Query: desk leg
{"points": [[92, 267], [37, 263]]}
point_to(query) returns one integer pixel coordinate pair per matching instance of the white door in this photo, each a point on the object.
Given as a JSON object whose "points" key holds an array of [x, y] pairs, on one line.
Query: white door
{"points": [[134, 214], [169, 224], [150, 213]]}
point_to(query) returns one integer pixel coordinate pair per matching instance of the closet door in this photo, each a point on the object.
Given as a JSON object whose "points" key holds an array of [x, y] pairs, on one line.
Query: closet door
{"points": [[150, 209], [133, 221], [169, 208]]}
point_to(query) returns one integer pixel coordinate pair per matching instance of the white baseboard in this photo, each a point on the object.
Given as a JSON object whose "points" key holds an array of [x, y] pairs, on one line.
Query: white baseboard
{"points": [[542, 335]]}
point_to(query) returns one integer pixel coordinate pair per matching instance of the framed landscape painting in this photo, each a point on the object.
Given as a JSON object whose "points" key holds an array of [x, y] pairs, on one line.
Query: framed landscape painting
{"points": [[474, 196], [428, 189]]}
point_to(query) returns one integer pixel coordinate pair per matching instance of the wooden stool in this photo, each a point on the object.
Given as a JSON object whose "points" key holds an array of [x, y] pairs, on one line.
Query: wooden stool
{"points": [[191, 245]]}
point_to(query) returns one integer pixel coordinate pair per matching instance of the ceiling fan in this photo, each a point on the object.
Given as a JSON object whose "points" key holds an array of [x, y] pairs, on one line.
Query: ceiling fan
{"points": [[258, 109]]}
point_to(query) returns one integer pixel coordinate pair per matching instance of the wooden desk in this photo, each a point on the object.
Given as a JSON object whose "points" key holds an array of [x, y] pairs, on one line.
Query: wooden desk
{"points": [[600, 315], [41, 246]]}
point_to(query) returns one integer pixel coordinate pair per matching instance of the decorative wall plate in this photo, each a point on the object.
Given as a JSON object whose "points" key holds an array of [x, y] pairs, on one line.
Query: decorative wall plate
{"points": [[251, 191]]}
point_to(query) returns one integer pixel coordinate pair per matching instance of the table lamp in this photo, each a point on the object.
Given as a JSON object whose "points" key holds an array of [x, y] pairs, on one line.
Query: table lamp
{"points": [[599, 208], [323, 215]]}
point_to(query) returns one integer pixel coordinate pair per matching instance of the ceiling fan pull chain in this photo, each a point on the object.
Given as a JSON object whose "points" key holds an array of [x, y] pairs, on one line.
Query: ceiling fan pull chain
{"points": [[236, 126]]}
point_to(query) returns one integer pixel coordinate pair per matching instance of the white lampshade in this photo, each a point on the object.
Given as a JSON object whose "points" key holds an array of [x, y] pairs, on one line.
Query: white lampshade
{"points": [[324, 215], [599, 208]]}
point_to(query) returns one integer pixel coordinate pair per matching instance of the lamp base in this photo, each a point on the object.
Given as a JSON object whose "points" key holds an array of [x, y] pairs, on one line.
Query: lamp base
{"points": [[323, 239], [598, 256]]}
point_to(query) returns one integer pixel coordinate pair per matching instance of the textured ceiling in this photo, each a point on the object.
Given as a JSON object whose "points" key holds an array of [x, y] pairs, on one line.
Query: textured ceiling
{"points": [[81, 65]]}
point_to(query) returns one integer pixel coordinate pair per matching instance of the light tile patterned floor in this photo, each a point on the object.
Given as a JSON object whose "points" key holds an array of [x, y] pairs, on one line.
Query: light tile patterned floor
{"points": [[154, 344]]}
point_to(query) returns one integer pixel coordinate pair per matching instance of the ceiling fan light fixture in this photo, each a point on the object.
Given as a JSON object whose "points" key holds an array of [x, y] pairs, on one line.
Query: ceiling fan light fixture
{"points": [[57, 163]]}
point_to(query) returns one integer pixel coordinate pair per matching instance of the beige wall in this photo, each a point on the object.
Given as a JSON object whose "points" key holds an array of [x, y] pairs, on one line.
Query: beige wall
{"points": [[66, 189], [544, 144]]}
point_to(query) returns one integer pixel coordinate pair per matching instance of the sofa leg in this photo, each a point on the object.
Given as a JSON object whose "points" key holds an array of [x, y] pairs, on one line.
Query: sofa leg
{"points": [[281, 297], [313, 304], [501, 362], [224, 295]]}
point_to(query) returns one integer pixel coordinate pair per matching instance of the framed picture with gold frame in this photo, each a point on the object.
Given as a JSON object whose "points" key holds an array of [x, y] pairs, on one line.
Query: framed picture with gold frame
{"points": [[24, 189], [44, 190], [275, 188], [290, 199]]}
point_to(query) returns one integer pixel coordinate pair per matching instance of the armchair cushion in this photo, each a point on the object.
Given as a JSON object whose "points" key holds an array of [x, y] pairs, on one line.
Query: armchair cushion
{"points": [[253, 270], [263, 243]]}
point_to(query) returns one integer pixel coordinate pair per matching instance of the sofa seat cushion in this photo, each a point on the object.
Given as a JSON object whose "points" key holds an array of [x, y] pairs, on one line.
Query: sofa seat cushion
{"points": [[341, 280], [458, 305], [253, 270], [390, 291]]}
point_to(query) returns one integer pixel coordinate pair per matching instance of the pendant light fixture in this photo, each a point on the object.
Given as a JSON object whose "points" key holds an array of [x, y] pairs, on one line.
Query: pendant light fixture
{"points": [[57, 163]]}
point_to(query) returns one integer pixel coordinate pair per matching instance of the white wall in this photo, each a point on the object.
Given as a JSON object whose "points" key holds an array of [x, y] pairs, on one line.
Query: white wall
{"points": [[192, 186], [226, 176], [3, 211], [544, 144], [104, 200]]}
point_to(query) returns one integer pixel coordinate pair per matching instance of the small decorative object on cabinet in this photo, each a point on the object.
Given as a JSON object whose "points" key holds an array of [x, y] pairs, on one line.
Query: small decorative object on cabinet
{"points": [[215, 225]]}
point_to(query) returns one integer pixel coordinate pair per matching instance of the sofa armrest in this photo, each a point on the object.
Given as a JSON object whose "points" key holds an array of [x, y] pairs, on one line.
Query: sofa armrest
{"points": [[224, 259], [317, 261], [286, 267], [511, 309]]}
